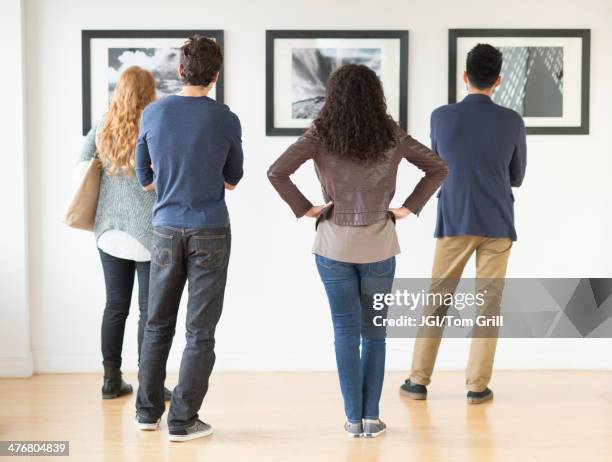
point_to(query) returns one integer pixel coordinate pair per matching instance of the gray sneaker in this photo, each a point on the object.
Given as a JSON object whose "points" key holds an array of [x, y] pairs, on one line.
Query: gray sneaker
{"points": [[353, 430], [198, 430], [373, 428]]}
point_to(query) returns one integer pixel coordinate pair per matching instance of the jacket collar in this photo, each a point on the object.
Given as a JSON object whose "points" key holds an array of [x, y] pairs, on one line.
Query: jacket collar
{"points": [[477, 98]]}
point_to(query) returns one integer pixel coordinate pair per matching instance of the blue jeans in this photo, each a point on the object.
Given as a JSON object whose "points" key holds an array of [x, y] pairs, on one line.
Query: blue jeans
{"points": [[200, 257], [361, 374]]}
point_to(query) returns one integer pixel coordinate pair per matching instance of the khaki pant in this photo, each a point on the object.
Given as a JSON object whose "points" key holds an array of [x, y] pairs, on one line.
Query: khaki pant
{"points": [[452, 254]]}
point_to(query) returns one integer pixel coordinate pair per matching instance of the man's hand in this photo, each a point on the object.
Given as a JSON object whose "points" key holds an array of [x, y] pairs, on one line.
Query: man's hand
{"points": [[149, 187], [316, 210], [400, 213], [229, 186]]}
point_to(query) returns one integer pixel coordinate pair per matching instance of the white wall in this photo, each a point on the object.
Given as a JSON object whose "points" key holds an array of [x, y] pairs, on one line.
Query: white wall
{"points": [[15, 352], [276, 316]]}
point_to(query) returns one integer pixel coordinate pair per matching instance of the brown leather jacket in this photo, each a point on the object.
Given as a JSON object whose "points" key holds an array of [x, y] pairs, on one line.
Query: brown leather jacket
{"points": [[360, 194]]}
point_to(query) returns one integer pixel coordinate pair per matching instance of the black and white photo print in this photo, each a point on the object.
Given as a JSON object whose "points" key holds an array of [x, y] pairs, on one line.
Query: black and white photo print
{"points": [[107, 53], [299, 63], [162, 62], [545, 75], [533, 81], [311, 67]]}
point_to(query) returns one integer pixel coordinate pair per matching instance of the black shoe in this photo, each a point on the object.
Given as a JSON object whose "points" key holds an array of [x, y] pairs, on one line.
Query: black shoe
{"points": [[146, 424], [413, 390], [114, 386], [167, 394], [198, 430], [477, 397]]}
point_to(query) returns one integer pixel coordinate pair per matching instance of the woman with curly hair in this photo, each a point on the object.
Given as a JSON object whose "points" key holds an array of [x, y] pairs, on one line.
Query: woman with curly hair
{"points": [[356, 148], [122, 226]]}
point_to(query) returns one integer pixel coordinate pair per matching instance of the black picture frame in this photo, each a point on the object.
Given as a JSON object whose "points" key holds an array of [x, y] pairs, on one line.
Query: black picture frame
{"points": [[272, 35], [88, 35], [584, 34]]}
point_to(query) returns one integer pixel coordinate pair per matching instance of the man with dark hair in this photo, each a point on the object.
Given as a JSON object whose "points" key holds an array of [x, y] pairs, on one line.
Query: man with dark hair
{"points": [[483, 65], [200, 61], [484, 146], [190, 151]]}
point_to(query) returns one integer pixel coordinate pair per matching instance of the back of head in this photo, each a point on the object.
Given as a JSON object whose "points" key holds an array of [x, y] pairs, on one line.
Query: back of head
{"points": [[201, 60], [353, 123], [483, 66], [116, 138]]}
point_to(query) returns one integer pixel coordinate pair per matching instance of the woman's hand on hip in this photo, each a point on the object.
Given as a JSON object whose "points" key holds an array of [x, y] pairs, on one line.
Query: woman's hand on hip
{"points": [[400, 213], [316, 210]]}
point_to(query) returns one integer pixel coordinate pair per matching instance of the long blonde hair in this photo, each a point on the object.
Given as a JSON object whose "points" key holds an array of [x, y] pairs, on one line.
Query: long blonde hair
{"points": [[117, 137]]}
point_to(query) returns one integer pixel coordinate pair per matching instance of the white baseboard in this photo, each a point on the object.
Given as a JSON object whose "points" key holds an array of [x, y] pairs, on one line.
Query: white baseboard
{"points": [[17, 366], [45, 363]]}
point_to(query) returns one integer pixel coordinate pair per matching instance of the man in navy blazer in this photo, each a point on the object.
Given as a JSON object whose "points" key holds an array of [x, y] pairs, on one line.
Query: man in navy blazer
{"points": [[484, 146]]}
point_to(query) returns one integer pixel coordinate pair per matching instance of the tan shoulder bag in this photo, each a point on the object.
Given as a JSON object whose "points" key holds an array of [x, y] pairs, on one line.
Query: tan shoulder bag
{"points": [[81, 213]]}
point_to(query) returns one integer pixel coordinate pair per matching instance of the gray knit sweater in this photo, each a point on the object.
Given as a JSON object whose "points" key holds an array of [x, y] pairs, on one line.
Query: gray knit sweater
{"points": [[123, 204]]}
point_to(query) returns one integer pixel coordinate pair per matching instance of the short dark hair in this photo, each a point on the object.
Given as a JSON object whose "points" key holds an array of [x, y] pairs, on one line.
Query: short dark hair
{"points": [[201, 59], [483, 65]]}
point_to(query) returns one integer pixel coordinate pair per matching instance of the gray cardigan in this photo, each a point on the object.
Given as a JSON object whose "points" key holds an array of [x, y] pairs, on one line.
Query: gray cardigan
{"points": [[123, 204]]}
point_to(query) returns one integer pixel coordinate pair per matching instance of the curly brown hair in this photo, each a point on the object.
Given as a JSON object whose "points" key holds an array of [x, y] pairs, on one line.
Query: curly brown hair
{"points": [[201, 59], [353, 123]]}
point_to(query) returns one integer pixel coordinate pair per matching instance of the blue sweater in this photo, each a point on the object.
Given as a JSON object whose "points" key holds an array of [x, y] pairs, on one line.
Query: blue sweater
{"points": [[484, 146], [188, 146]]}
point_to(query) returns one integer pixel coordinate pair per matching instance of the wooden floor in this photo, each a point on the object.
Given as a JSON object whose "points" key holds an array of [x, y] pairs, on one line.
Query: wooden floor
{"points": [[536, 416]]}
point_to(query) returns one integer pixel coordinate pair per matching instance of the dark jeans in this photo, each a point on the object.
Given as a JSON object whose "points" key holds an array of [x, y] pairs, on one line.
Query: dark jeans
{"points": [[199, 256], [119, 279], [350, 289]]}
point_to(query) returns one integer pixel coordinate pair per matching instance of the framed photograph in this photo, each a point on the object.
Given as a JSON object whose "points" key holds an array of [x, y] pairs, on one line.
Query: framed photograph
{"points": [[106, 53], [299, 62], [545, 75]]}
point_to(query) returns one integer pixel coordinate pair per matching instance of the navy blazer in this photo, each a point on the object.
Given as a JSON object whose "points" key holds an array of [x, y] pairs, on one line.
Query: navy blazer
{"points": [[484, 146]]}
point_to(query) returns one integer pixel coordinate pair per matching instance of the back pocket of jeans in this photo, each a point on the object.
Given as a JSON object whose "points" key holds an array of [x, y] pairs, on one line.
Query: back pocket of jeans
{"points": [[210, 251], [381, 268], [161, 252]]}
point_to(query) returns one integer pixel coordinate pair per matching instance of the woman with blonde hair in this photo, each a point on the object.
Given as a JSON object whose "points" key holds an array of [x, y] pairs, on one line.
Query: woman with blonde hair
{"points": [[123, 227]]}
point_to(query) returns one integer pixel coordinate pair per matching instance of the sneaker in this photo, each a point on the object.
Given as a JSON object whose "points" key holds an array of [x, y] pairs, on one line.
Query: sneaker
{"points": [[146, 424], [413, 390], [167, 394], [353, 430], [198, 430], [477, 397], [373, 427]]}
